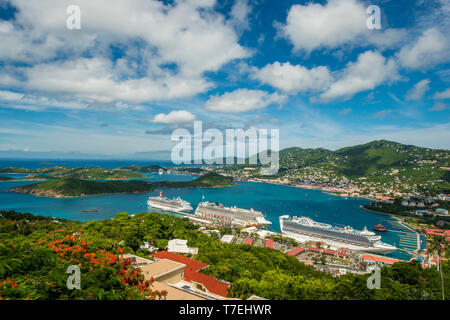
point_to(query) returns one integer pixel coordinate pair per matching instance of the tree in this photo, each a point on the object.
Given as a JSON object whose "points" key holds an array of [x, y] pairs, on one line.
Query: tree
{"points": [[437, 245]]}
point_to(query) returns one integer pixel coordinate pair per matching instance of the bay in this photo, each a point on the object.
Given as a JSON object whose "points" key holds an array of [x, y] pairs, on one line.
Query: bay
{"points": [[273, 200]]}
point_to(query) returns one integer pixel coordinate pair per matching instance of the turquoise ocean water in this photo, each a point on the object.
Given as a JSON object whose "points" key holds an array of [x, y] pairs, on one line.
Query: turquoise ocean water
{"points": [[272, 200]]}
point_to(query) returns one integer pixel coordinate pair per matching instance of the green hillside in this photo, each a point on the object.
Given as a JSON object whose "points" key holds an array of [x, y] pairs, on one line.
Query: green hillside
{"points": [[70, 187], [377, 166]]}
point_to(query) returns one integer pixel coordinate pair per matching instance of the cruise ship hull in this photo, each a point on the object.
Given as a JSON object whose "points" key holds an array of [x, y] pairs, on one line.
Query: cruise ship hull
{"points": [[162, 207], [233, 216], [305, 229], [304, 238]]}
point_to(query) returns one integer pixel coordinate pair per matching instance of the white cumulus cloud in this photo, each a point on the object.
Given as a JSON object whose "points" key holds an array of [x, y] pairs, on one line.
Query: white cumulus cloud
{"points": [[243, 100], [338, 22], [370, 70], [294, 78], [174, 117], [166, 48], [431, 48]]}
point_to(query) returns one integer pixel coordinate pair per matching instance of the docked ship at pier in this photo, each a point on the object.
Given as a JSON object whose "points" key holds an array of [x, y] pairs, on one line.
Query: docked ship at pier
{"points": [[305, 229], [176, 205], [231, 216]]}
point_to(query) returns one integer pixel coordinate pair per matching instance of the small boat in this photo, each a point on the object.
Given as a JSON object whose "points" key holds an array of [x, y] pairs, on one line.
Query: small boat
{"points": [[379, 227], [90, 210]]}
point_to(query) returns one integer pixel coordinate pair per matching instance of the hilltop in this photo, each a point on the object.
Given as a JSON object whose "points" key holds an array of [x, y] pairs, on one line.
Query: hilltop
{"points": [[378, 166], [71, 187]]}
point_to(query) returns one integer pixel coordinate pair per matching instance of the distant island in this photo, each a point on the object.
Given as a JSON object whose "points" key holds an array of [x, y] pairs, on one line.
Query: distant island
{"points": [[71, 187], [60, 172]]}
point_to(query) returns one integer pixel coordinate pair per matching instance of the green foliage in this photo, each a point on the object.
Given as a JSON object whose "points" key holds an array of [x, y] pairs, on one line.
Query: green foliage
{"points": [[419, 169], [33, 266], [70, 187], [35, 252], [76, 173], [77, 187]]}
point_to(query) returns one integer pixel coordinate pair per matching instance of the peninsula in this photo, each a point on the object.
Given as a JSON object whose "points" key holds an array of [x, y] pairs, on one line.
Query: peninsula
{"points": [[60, 172], [71, 187]]}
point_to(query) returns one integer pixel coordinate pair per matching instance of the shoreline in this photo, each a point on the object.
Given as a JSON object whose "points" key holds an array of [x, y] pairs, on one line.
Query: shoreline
{"points": [[331, 193]]}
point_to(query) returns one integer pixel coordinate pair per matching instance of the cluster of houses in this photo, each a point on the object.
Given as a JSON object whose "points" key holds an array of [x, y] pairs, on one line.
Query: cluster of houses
{"points": [[430, 203]]}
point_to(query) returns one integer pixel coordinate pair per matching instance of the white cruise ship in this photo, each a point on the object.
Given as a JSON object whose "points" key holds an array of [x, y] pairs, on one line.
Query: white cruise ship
{"points": [[176, 205], [230, 215], [305, 229]]}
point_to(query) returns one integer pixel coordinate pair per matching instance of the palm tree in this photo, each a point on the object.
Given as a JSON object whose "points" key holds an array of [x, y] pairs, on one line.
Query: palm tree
{"points": [[436, 246]]}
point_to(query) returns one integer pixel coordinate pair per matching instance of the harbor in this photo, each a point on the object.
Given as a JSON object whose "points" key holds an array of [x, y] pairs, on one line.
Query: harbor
{"points": [[270, 199]]}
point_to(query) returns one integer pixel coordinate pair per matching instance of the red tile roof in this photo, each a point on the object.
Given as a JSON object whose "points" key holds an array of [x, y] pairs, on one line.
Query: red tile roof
{"points": [[191, 273], [435, 232], [269, 243], [379, 259], [296, 251], [190, 263], [342, 252], [248, 241], [314, 249], [331, 252], [210, 283]]}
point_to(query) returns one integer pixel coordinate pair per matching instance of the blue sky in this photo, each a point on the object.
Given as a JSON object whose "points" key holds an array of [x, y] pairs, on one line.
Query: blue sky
{"points": [[137, 70]]}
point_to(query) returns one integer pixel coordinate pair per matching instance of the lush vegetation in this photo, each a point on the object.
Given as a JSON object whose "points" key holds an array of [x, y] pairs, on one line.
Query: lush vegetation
{"points": [[60, 172], [70, 187], [208, 180], [381, 164], [3, 178], [396, 208], [35, 252]]}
